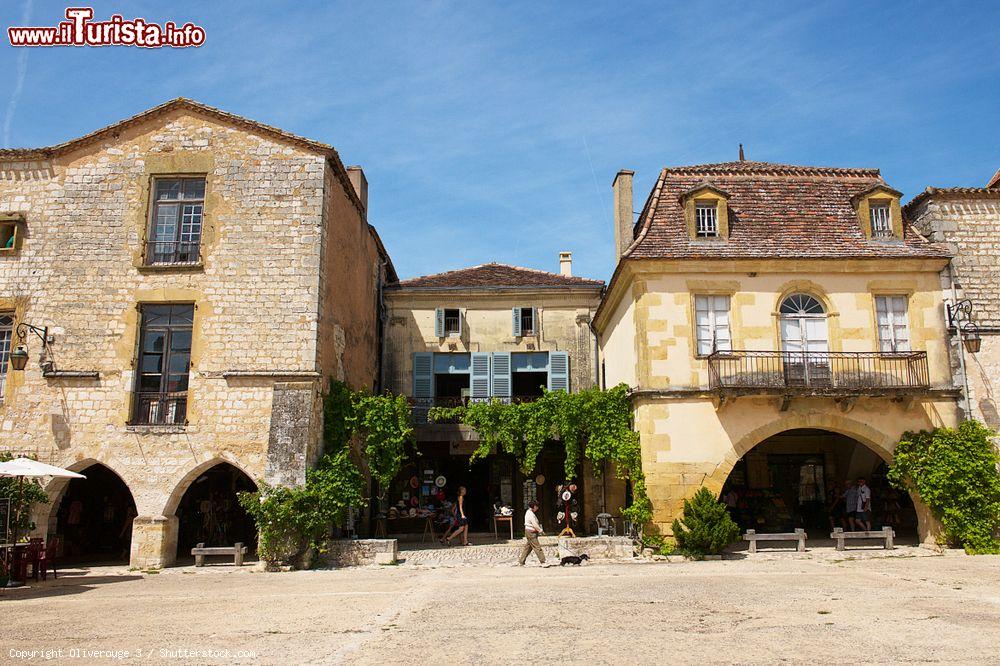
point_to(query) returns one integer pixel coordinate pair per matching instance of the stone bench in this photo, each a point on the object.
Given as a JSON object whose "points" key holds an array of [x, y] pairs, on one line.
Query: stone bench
{"points": [[798, 535], [237, 551], [885, 533]]}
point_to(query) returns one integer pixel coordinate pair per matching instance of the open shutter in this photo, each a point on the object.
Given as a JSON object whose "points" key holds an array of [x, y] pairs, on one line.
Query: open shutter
{"points": [[423, 375], [516, 326], [501, 374], [536, 324], [439, 323], [559, 371], [480, 375]]}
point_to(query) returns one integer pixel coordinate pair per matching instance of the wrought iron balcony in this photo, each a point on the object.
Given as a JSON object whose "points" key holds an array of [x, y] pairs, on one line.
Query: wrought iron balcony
{"points": [[837, 373], [160, 409]]}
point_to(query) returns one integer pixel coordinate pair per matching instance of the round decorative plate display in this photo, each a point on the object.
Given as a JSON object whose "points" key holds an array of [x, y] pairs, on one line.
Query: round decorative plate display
{"points": [[440, 482], [540, 479]]}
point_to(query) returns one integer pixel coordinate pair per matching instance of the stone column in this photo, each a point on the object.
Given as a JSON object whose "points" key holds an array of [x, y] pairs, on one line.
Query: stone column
{"points": [[154, 542]]}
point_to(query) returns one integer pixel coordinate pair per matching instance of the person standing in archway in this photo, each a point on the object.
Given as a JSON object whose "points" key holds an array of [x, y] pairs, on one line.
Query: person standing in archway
{"points": [[863, 516], [851, 504]]}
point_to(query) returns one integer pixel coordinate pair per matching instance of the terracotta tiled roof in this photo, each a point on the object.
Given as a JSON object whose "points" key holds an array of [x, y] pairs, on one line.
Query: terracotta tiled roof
{"points": [[498, 276], [775, 211]]}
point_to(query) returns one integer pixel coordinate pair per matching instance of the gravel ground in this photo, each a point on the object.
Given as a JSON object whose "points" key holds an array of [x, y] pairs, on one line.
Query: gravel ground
{"points": [[824, 607]]}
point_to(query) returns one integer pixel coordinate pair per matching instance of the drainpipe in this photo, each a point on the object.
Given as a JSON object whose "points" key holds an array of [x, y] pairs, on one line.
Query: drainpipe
{"points": [[961, 344]]}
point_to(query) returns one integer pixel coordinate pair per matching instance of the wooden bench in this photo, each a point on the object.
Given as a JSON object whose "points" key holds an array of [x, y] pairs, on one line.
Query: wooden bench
{"points": [[237, 551], [885, 533], [798, 535]]}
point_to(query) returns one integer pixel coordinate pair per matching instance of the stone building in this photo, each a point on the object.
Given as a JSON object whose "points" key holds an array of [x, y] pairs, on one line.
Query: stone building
{"points": [[966, 219], [491, 332], [197, 277], [782, 327]]}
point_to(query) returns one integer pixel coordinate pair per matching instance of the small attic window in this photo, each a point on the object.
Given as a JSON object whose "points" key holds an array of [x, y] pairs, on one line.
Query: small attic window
{"points": [[881, 220], [706, 217]]}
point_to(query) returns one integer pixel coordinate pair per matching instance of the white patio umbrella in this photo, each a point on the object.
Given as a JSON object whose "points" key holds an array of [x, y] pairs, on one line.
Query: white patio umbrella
{"points": [[26, 468]]}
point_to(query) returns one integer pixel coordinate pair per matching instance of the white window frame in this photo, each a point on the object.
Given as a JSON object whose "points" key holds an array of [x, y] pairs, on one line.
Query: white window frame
{"points": [[713, 331], [706, 220], [880, 215], [6, 344], [892, 322]]}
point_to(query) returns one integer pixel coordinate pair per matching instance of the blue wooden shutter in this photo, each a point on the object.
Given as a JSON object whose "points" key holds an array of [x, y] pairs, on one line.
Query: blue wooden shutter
{"points": [[536, 326], [439, 323], [480, 379], [559, 371], [423, 375], [516, 327], [501, 374]]}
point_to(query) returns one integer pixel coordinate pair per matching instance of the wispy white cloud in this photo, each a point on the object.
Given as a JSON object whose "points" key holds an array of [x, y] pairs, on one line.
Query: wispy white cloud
{"points": [[20, 75]]}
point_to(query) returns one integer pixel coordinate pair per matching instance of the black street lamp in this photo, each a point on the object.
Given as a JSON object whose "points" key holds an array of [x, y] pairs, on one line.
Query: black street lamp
{"points": [[960, 318], [19, 356]]}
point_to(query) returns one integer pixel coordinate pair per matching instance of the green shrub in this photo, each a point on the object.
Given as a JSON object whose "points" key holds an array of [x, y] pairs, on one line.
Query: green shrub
{"points": [[706, 528], [955, 472], [291, 522]]}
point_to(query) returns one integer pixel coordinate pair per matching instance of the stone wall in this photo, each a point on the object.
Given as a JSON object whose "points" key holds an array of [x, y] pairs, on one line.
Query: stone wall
{"points": [[273, 215], [968, 223]]}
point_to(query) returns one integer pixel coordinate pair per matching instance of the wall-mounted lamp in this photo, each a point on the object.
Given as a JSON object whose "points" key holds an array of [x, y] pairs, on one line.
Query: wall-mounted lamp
{"points": [[19, 356], [960, 318]]}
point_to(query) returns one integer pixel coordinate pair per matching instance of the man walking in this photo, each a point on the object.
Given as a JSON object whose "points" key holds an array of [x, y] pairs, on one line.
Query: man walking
{"points": [[532, 530], [864, 509], [851, 505]]}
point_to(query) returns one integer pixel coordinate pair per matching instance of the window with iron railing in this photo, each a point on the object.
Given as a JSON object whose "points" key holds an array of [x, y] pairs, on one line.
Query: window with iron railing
{"points": [[706, 220], [881, 221], [176, 221], [163, 364]]}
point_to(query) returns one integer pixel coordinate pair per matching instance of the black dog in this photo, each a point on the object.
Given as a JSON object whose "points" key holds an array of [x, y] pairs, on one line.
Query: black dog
{"points": [[574, 560]]}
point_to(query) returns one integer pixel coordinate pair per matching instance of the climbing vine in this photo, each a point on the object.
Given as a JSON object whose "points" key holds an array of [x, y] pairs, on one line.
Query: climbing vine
{"points": [[955, 471], [594, 423], [293, 521]]}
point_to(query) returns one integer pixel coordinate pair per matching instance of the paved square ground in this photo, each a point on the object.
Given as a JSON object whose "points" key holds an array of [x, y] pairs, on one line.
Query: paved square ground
{"points": [[778, 607]]}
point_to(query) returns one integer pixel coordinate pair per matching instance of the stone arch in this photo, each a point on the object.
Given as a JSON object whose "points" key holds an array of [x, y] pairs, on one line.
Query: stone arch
{"points": [[875, 440], [182, 485], [807, 287], [204, 507], [116, 509]]}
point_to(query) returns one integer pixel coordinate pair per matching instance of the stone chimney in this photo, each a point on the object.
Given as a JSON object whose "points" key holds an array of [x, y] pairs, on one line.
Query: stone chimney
{"points": [[566, 264], [357, 177], [623, 211]]}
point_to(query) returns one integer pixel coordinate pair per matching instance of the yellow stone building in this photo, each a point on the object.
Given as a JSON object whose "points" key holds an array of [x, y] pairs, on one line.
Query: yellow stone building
{"points": [[782, 326], [491, 332], [192, 279]]}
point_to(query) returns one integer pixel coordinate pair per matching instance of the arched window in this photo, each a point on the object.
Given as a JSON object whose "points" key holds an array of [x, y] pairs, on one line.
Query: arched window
{"points": [[801, 304], [804, 337]]}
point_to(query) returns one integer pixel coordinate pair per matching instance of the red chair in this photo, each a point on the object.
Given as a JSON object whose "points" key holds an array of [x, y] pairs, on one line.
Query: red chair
{"points": [[47, 558], [33, 555]]}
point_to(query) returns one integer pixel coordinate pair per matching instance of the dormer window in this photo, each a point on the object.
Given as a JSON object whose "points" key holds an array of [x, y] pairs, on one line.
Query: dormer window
{"points": [[706, 212], [706, 217], [881, 220]]}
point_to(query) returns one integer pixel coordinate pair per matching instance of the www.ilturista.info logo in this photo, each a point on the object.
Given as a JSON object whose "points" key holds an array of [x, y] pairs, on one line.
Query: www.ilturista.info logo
{"points": [[81, 30]]}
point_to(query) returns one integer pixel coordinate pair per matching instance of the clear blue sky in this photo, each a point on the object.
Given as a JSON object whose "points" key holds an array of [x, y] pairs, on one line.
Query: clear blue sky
{"points": [[492, 131]]}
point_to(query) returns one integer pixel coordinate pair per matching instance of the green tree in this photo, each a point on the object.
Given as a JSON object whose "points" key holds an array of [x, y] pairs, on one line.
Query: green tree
{"points": [[955, 472], [706, 527], [594, 423]]}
